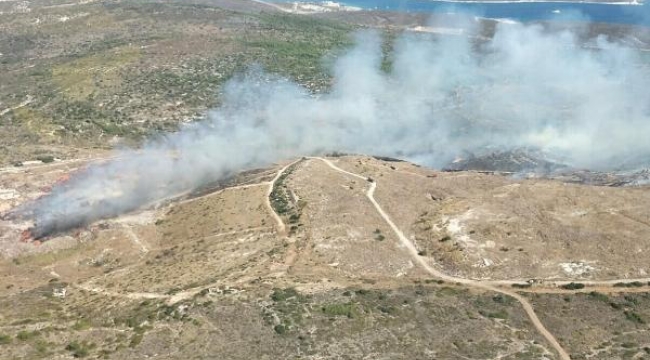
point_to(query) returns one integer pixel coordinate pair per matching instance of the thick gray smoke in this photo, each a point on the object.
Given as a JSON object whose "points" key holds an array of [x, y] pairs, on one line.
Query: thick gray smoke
{"points": [[443, 96]]}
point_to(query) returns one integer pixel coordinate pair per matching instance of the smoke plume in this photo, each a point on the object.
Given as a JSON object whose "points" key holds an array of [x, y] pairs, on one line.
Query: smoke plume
{"points": [[442, 97]]}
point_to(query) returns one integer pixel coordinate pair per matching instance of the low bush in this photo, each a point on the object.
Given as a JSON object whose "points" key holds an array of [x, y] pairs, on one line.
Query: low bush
{"points": [[573, 286]]}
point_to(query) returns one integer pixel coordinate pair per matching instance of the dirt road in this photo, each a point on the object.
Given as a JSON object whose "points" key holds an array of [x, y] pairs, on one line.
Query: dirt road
{"points": [[410, 247]]}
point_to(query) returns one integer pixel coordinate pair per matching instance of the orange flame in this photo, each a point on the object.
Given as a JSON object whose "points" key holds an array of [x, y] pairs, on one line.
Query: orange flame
{"points": [[26, 235]]}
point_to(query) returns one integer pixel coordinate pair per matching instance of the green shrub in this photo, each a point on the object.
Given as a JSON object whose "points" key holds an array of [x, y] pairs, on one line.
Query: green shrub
{"points": [[77, 349], [521, 286], [387, 309], [431, 281], [629, 284], [634, 317], [339, 310], [502, 299], [5, 339], [573, 286], [501, 314], [598, 296], [362, 292], [280, 329], [283, 294], [45, 158], [24, 335]]}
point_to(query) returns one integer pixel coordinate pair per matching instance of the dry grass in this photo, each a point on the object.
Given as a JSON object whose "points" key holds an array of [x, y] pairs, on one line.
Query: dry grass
{"points": [[195, 262], [491, 226]]}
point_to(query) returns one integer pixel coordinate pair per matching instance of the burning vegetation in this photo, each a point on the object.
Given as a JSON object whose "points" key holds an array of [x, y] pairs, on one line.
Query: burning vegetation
{"points": [[440, 98]]}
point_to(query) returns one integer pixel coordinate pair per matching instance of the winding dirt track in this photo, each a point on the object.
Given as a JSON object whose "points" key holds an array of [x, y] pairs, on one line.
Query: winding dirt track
{"points": [[468, 282], [133, 296]]}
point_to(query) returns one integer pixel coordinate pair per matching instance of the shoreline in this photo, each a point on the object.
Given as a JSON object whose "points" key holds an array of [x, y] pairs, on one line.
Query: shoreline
{"points": [[491, 2], [594, 2]]}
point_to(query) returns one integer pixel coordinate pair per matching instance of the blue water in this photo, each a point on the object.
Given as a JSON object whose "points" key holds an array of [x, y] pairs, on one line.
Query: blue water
{"points": [[524, 12]]}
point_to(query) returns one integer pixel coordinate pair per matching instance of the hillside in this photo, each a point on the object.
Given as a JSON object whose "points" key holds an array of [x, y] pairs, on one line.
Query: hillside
{"points": [[504, 253], [298, 261], [87, 75]]}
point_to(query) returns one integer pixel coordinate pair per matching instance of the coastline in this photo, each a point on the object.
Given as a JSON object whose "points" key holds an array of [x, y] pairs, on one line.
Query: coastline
{"points": [[596, 2], [629, 12], [344, 6], [309, 7]]}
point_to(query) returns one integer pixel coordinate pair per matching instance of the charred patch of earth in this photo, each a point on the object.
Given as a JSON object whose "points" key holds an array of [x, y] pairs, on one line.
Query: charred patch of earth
{"points": [[506, 161], [526, 163]]}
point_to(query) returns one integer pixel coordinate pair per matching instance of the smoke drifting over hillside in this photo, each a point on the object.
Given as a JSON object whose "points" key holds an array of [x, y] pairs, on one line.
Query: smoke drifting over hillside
{"points": [[443, 96]]}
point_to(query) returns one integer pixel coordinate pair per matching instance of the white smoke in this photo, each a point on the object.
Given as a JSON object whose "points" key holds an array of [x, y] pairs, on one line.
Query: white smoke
{"points": [[443, 96]]}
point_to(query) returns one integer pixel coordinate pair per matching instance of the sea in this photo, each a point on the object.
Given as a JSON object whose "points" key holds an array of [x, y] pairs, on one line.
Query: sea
{"points": [[631, 14]]}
